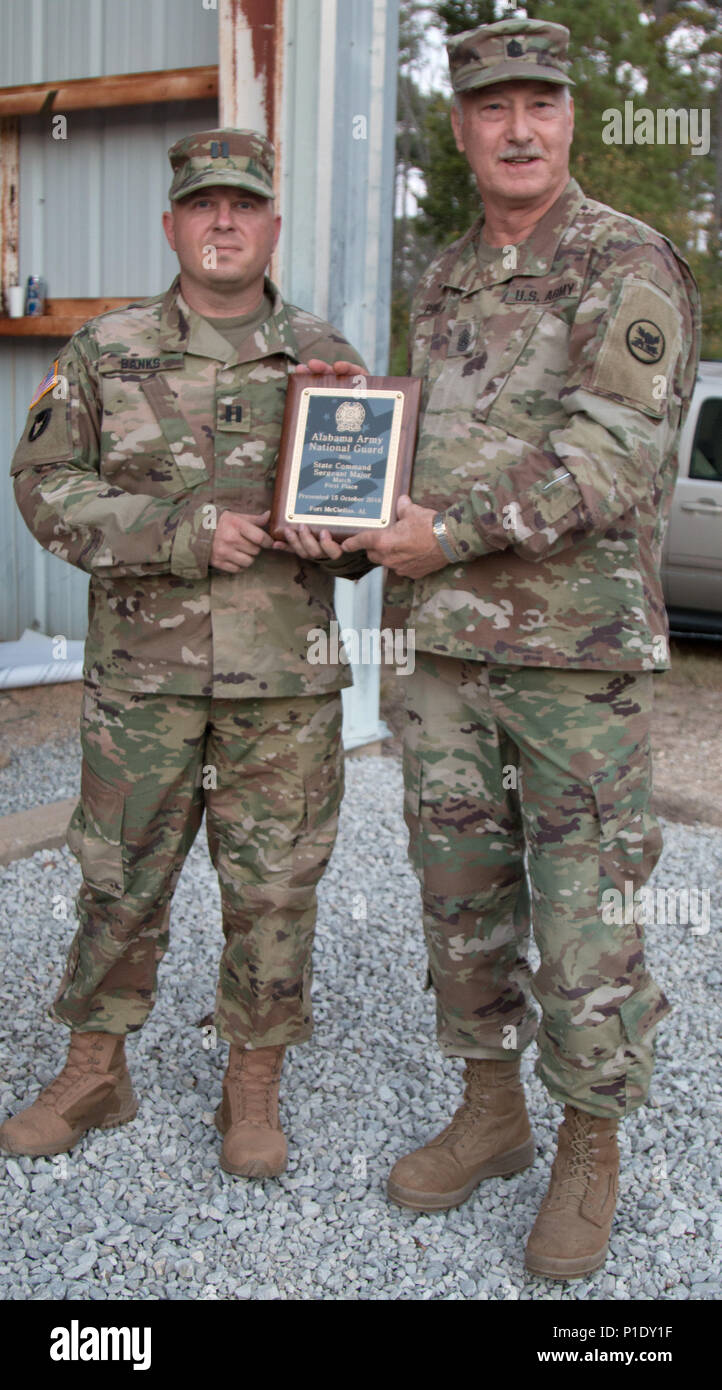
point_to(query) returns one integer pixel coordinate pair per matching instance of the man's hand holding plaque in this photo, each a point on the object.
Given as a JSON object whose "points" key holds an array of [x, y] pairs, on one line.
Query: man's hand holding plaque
{"points": [[301, 539], [410, 547], [345, 456]]}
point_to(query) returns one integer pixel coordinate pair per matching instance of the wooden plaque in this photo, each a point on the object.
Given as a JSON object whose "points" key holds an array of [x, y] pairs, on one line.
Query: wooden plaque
{"points": [[346, 452]]}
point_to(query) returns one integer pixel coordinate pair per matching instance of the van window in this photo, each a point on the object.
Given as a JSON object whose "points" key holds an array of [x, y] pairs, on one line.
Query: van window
{"points": [[706, 460]]}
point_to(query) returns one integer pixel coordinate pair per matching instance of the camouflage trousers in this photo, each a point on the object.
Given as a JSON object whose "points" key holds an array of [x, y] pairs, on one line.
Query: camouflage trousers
{"points": [[527, 796], [269, 773]]}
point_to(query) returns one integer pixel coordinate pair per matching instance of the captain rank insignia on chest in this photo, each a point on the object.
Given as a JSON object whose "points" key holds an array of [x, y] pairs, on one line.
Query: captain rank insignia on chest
{"points": [[232, 414]]}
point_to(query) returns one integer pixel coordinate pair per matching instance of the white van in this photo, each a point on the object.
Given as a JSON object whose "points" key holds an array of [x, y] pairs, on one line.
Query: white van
{"points": [[692, 555]]}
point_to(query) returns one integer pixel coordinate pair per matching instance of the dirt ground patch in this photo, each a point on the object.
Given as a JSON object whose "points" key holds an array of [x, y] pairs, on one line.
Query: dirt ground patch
{"points": [[33, 715], [686, 737]]}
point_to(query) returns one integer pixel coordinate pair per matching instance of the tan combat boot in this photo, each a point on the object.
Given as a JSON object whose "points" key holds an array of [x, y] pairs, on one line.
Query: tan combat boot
{"points": [[254, 1145], [488, 1137], [570, 1236], [92, 1091]]}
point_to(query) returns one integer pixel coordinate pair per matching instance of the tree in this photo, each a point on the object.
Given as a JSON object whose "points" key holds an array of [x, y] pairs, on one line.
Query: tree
{"points": [[410, 249], [459, 15], [452, 198]]}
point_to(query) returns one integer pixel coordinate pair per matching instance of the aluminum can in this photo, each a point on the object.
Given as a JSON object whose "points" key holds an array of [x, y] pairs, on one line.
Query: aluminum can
{"points": [[35, 296]]}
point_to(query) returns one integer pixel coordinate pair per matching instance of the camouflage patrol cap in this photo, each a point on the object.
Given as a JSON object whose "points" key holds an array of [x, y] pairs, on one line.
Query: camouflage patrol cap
{"points": [[236, 158], [510, 51]]}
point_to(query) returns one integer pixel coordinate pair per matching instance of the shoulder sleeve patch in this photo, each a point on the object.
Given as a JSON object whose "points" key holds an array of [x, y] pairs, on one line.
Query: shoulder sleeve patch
{"points": [[46, 437], [640, 349]]}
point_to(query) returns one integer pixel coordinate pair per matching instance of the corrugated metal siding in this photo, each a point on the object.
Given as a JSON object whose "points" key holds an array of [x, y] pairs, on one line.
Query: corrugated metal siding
{"points": [[90, 210], [41, 40], [337, 206], [91, 205], [337, 188]]}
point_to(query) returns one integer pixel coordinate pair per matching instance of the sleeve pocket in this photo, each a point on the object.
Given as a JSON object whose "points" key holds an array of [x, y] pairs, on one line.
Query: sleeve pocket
{"points": [[95, 834], [639, 352]]}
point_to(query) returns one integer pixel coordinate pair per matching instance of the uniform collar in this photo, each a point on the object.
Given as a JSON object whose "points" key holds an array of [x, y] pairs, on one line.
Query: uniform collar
{"points": [[183, 330], [535, 255]]}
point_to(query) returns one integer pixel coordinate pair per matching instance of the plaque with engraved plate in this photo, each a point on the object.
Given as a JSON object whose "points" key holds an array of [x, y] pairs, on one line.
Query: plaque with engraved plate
{"points": [[346, 452]]}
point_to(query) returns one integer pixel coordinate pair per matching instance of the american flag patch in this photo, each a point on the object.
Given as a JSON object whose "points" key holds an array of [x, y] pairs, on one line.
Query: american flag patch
{"points": [[48, 382]]}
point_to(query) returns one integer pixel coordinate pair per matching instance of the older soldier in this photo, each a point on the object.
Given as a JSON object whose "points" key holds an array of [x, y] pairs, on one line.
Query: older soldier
{"points": [[148, 460], [558, 340]]}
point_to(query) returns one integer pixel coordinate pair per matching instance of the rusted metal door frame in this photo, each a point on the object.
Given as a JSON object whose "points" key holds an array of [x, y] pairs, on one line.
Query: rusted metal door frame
{"points": [[9, 202], [250, 75]]}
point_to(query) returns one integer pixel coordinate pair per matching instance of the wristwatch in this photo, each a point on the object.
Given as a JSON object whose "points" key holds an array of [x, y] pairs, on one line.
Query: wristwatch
{"points": [[438, 527]]}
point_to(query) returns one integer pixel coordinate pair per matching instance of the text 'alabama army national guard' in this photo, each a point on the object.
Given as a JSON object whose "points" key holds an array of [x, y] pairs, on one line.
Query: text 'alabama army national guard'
{"points": [[152, 468], [559, 341]]}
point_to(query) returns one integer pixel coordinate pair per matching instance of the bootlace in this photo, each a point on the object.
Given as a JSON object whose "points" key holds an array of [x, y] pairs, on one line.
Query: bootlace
{"points": [[474, 1105], [253, 1088], [81, 1059], [575, 1183]]}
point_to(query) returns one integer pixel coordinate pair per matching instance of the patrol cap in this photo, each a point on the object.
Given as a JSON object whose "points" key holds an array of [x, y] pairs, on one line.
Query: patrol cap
{"points": [[236, 158], [509, 51]]}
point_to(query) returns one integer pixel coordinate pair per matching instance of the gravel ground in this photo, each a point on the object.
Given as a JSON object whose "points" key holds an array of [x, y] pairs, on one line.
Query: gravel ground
{"points": [[145, 1211], [33, 776]]}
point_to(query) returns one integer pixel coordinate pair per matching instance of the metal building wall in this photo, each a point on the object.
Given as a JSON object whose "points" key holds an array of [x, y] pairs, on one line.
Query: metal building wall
{"points": [[336, 199], [41, 40], [339, 113], [90, 211]]}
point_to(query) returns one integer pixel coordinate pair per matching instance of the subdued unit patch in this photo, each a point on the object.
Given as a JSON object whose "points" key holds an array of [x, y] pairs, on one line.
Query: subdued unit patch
{"points": [[645, 341], [39, 425]]}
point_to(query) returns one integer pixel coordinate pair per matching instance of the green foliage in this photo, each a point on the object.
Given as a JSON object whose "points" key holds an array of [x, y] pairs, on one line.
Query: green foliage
{"points": [[708, 272], [459, 15], [452, 198], [398, 353]]}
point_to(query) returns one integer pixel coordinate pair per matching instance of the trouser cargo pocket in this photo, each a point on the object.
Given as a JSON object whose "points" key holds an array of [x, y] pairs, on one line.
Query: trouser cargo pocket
{"points": [[95, 833], [643, 1010]]}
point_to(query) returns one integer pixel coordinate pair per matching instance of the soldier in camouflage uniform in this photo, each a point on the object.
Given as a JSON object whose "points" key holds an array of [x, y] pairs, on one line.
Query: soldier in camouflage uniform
{"points": [[558, 341], [148, 460]]}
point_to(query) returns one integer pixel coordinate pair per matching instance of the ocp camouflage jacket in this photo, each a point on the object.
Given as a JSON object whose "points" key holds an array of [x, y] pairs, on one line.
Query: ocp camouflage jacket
{"points": [[162, 422], [557, 376]]}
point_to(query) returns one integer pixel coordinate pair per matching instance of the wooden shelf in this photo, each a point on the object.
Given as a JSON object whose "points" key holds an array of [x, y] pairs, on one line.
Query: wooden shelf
{"points": [[77, 94], [63, 317], [122, 89]]}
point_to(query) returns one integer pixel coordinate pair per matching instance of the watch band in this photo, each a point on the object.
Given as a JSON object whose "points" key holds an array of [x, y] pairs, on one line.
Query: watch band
{"points": [[438, 527]]}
